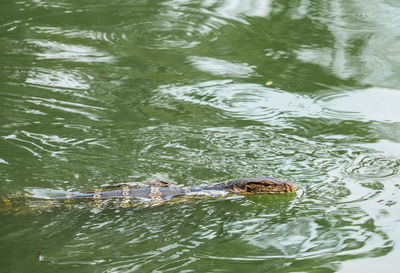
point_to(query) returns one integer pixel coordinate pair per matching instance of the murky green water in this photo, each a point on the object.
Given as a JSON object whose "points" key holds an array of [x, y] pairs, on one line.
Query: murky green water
{"points": [[101, 92]]}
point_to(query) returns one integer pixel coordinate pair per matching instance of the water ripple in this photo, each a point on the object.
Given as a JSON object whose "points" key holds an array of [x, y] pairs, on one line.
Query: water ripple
{"points": [[250, 101], [221, 67], [373, 167], [153, 27], [213, 229], [358, 29], [57, 78], [70, 52], [105, 92], [371, 104], [276, 107]]}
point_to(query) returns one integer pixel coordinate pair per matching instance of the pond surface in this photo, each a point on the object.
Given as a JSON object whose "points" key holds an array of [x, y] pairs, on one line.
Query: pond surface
{"points": [[199, 92]]}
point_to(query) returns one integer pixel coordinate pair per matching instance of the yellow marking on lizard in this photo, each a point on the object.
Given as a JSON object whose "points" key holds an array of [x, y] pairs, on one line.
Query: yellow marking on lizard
{"points": [[7, 202], [127, 198], [155, 194], [68, 198], [97, 197], [125, 191]]}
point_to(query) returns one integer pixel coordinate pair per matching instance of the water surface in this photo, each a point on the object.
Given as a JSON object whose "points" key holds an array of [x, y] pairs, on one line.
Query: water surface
{"points": [[102, 92]]}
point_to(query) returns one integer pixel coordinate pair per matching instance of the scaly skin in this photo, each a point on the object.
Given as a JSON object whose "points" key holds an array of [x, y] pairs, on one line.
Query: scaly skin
{"points": [[158, 192], [166, 192]]}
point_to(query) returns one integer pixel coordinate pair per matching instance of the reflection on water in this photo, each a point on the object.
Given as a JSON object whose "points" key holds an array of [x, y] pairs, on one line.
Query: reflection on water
{"points": [[365, 41], [236, 9], [221, 67], [372, 104], [109, 92], [249, 101], [61, 79], [77, 53]]}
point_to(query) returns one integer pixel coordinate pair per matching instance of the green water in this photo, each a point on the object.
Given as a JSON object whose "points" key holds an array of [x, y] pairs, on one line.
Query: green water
{"points": [[102, 92]]}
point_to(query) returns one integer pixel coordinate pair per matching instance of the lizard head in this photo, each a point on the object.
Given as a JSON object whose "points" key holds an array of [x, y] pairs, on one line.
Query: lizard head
{"points": [[263, 185]]}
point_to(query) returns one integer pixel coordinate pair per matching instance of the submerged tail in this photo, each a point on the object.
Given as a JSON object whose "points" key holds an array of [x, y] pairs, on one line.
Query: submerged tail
{"points": [[50, 194]]}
